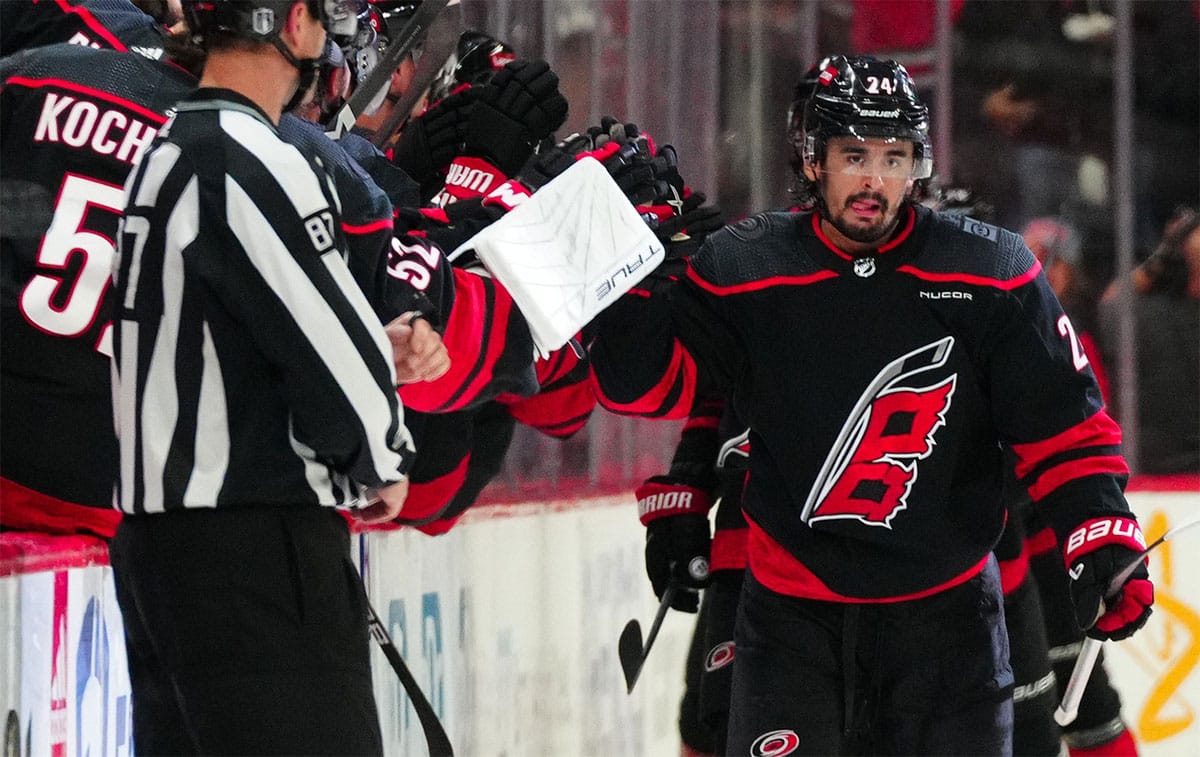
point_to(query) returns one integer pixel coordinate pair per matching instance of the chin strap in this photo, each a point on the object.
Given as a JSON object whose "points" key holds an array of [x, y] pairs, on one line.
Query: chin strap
{"points": [[309, 68]]}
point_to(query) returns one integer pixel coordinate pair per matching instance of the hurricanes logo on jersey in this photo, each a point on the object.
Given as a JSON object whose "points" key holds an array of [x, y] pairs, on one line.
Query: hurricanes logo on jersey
{"points": [[872, 466]]}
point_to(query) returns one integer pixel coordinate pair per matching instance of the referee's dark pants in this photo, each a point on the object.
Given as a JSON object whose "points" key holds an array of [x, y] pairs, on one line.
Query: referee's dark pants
{"points": [[246, 632], [927, 676]]}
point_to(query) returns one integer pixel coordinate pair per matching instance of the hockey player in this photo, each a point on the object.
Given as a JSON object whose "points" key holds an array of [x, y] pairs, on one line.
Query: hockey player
{"points": [[254, 392], [73, 120], [104, 24], [871, 615]]}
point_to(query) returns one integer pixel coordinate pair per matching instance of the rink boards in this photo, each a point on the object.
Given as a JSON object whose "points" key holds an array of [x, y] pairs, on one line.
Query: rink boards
{"points": [[509, 623]]}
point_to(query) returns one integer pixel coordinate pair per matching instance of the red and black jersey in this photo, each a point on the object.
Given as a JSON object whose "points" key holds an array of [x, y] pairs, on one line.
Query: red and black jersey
{"points": [[104, 24], [878, 390], [564, 400], [74, 121]]}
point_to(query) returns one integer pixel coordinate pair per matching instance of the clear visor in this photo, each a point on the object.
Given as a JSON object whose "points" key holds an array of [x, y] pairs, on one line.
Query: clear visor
{"points": [[843, 155]]}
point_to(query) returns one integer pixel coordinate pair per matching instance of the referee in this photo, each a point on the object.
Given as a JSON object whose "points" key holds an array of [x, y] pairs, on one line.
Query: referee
{"points": [[254, 392]]}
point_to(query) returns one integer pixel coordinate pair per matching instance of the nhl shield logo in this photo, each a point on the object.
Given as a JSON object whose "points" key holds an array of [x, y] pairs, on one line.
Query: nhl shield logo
{"points": [[864, 267], [262, 20]]}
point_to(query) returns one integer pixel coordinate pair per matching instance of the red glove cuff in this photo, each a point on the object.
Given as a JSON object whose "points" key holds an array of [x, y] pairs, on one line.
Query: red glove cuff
{"points": [[1096, 533], [508, 195], [658, 500], [469, 177]]}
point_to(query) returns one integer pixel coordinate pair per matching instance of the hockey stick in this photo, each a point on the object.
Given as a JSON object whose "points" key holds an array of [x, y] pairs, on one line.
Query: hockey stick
{"points": [[629, 645], [1069, 708], [379, 77], [435, 735], [440, 42]]}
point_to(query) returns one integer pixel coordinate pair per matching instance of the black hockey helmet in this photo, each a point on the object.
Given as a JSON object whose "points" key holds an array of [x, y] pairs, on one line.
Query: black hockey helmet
{"points": [[862, 97], [262, 20], [476, 59]]}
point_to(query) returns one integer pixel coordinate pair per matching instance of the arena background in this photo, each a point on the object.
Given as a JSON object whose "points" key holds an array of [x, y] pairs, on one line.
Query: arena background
{"points": [[510, 621]]}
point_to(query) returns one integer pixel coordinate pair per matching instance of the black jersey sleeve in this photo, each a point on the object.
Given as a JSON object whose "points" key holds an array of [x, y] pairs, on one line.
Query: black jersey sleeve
{"points": [[1047, 405], [658, 347]]}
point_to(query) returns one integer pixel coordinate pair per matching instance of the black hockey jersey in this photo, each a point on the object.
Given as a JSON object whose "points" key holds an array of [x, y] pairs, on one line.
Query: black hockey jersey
{"points": [[878, 391], [73, 121], [105, 24]]}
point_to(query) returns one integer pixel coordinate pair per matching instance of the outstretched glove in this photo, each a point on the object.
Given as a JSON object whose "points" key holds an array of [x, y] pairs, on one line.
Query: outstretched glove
{"points": [[677, 538], [518, 108], [1095, 552], [433, 139], [683, 225]]}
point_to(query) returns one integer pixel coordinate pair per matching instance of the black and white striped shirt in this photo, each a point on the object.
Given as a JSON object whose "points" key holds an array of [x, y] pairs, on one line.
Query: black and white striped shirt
{"points": [[248, 367]]}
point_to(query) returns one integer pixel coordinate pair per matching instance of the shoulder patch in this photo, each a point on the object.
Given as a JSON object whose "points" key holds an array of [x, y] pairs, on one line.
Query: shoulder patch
{"points": [[958, 246], [980, 229], [749, 229]]}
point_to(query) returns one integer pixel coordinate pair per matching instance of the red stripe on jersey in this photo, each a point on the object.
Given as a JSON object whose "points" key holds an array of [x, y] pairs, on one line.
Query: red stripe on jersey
{"points": [[428, 498], [701, 421], [780, 571], [1073, 469], [495, 340], [654, 402], [729, 549], [463, 338], [1013, 572], [558, 411], [890, 244], [556, 367], [1098, 430], [92, 23], [28, 510], [1042, 542], [439, 526], [754, 286], [25, 81], [966, 278], [368, 228]]}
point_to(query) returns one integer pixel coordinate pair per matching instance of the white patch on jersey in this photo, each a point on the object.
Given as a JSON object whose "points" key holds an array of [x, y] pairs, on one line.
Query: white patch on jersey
{"points": [[980, 229], [864, 267]]}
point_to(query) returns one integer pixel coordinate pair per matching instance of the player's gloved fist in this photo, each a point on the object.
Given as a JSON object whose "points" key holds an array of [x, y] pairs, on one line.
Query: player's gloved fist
{"points": [[682, 226], [433, 139], [678, 540], [1095, 553], [517, 108]]}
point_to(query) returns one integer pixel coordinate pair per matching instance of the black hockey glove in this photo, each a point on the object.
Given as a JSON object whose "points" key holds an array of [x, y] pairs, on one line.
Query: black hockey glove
{"points": [[1095, 552], [519, 107], [682, 226], [433, 139], [677, 538]]}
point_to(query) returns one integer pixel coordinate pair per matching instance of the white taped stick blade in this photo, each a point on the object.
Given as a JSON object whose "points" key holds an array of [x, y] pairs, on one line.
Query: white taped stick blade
{"points": [[568, 252]]}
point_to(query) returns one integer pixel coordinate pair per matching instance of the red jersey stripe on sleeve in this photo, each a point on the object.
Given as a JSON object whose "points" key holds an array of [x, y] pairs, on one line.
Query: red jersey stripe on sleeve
{"points": [[475, 338], [1098, 430], [1073, 469], [427, 499], [658, 401], [558, 411]]}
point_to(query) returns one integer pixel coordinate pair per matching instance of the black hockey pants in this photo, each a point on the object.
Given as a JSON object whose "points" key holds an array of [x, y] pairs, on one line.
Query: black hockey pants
{"points": [[927, 676]]}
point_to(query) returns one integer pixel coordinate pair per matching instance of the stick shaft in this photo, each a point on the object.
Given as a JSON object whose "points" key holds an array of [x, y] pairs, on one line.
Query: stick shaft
{"points": [[1080, 674]]}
